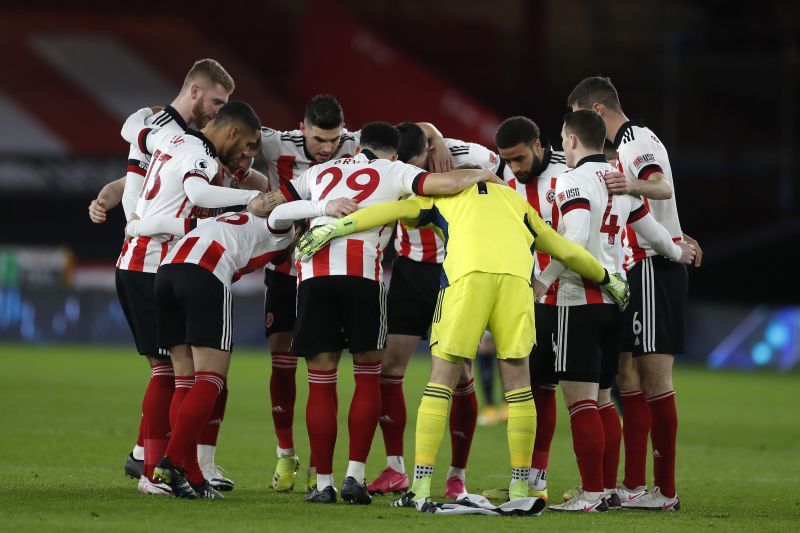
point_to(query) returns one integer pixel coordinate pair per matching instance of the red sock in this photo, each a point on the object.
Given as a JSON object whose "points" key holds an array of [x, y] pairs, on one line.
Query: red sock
{"points": [[463, 417], [365, 409], [613, 432], [210, 432], [140, 436], [321, 417], [183, 384], [635, 428], [393, 413], [193, 415], [587, 442], [155, 409], [664, 417], [544, 396], [282, 393]]}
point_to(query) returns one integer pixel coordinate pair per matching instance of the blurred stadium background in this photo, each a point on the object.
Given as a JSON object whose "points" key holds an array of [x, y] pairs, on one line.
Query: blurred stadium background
{"points": [[716, 81]]}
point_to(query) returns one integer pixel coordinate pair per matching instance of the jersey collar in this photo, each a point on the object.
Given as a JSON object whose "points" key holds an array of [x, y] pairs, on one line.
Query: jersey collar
{"points": [[369, 154], [622, 129], [596, 158], [171, 111], [548, 153], [210, 148]]}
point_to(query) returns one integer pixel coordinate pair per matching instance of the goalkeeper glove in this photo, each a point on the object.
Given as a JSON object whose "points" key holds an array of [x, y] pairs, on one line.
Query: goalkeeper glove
{"points": [[316, 238], [618, 289]]}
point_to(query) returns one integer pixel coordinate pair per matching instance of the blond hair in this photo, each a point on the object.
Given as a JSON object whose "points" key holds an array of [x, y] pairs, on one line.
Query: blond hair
{"points": [[211, 71]]}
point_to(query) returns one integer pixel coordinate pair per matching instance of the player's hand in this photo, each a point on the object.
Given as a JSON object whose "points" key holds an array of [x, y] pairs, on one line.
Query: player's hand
{"points": [[440, 159], [687, 253], [698, 258], [618, 183], [316, 238], [97, 211], [263, 204], [539, 290], [129, 234], [619, 290], [341, 207]]}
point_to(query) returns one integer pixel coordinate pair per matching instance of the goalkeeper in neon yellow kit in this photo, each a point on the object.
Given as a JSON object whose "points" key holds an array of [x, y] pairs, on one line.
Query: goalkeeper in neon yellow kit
{"points": [[489, 232]]}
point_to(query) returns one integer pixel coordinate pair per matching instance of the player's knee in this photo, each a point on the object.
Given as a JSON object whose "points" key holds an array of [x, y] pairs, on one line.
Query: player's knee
{"points": [[628, 379]]}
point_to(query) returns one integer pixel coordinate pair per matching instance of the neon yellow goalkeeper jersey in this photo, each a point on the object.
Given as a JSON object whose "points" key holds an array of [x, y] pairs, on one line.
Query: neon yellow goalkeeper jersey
{"points": [[490, 228]]}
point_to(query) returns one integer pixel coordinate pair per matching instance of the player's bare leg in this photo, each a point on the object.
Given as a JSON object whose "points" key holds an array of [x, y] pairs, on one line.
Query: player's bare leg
{"points": [[521, 429], [655, 371], [321, 412], [283, 392], [399, 349], [463, 418], [635, 428]]}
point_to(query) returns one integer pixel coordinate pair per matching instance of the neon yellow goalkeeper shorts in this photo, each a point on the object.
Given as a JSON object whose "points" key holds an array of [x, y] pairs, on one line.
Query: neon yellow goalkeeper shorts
{"points": [[501, 303]]}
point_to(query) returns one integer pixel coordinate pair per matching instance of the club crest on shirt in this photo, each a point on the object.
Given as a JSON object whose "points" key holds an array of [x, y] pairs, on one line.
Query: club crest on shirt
{"points": [[551, 195]]}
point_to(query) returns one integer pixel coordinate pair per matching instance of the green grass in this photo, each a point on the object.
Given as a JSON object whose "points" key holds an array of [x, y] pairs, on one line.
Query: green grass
{"points": [[70, 416]]}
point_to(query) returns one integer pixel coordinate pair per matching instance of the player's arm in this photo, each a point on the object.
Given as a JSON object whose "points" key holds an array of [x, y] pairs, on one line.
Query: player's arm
{"points": [[440, 156], [659, 238], [136, 132], [453, 182], [160, 225], [374, 216], [283, 216], [108, 198], [575, 218], [655, 186], [254, 180], [576, 258]]}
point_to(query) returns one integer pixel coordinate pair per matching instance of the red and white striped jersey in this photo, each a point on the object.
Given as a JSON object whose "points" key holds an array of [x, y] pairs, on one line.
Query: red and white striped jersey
{"points": [[540, 192], [138, 161], [424, 244], [368, 181], [230, 245], [177, 158], [639, 154], [287, 158], [583, 188]]}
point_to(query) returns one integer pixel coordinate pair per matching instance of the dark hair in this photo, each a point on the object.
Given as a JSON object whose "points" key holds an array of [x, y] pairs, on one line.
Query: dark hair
{"points": [[515, 130], [413, 141], [588, 127], [238, 111], [594, 90], [324, 111], [380, 136]]}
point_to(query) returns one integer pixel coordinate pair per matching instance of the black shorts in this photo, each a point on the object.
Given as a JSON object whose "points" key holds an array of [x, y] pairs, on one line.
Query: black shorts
{"points": [[543, 356], [136, 293], [194, 308], [655, 321], [337, 312], [412, 296], [588, 343], [279, 302]]}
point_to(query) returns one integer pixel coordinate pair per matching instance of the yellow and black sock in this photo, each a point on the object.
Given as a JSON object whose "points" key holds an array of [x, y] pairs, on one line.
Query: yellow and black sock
{"points": [[521, 426]]}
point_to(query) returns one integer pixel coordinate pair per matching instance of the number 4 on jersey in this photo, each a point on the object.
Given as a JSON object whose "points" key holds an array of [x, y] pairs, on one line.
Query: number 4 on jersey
{"points": [[610, 226]]}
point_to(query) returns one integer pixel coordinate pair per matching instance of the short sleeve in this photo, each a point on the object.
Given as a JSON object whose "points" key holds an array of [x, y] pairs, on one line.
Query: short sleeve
{"points": [[409, 179], [199, 164], [640, 158]]}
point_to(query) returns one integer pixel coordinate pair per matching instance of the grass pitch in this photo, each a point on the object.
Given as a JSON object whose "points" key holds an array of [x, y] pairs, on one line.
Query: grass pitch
{"points": [[70, 416]]}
